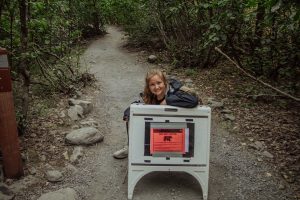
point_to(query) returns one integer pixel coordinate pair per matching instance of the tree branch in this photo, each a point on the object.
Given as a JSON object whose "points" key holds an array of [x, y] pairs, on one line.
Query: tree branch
{"points": [[265, 84]]}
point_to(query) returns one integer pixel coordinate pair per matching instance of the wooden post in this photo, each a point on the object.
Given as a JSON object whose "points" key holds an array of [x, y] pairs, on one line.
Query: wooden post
{"points": [[9, 143]]}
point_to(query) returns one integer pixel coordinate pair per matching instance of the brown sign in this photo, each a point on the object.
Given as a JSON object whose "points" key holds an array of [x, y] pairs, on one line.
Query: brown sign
{"points": [[5, 80]]}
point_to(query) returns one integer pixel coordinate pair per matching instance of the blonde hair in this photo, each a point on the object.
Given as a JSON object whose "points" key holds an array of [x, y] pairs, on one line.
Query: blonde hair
{"points": [[148, 96]]}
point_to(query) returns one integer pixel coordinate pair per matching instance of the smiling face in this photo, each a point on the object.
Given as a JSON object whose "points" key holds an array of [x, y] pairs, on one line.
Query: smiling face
{"points": [[157, 86]]}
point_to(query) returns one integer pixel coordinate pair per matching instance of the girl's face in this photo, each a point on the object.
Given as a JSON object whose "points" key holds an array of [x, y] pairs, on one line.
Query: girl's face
{"points": [[157, 86]]}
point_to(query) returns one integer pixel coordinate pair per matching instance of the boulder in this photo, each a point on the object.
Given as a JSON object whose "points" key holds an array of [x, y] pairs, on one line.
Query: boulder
{"points": [[62, 194], [84, 136]]}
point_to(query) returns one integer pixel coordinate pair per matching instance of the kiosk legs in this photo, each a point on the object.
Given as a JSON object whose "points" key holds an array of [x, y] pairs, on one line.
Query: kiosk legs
{"points": [[135, 173]]}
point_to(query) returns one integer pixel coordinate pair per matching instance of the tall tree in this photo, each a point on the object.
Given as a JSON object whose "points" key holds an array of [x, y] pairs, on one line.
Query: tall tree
{"points": [[23, 67]]}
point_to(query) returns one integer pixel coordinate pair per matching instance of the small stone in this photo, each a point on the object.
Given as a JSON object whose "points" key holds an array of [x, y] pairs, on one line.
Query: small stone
{"points": [[71, 168], [66, 155], [78, 93], [281, 187], [54, 176], [259, 159], [243, 144], [24, 183], [72, 102], [256, 145], [267, 154], [62, 114], [32, 171], [259, 144], [5, 192], [75, 127], [152, 58], [62, 194], [226, 111], [43, 158], [76, 155], [229, 117], [188, 81], [23, 156], [75, 112], [214, 104], [9, 181], [268, 174], [89, 123]]}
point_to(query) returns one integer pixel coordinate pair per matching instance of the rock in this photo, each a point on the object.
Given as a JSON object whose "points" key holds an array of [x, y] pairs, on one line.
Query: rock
{"points": [[62, 194], [281, 187], [71, 168], [75, 127], [229, 117], [54, 176], [66, 155], [259, 159], [267, 154], [87, 106], [32, 170], [89, 123], [43, 158], [214, 104], [188, 81], [152, 58], [9, 181], [62, 114], [72, 102], [6, 197], [76, 155], [256, 145], [84, 136], [75, 112], [5, 192], [226, 111], [78, 93], [22, 184]]}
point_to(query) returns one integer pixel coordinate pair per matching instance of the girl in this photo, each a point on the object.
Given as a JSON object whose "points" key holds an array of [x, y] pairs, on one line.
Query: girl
{"points": [[160, 92]]}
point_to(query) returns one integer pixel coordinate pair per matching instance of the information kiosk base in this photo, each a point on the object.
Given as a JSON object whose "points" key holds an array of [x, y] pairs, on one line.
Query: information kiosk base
{"points": [[167, 138]]}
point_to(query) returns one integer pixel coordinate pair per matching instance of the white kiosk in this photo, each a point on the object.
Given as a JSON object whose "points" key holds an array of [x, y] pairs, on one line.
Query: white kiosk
{"points": [[167, 138]]}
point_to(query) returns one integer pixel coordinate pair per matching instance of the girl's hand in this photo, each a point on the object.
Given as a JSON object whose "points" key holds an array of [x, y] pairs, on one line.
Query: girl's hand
{"points": [[163, 102]]}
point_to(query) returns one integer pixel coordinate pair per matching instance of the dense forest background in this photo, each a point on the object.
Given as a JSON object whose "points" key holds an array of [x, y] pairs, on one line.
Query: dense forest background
{"points": [[43, 38]]}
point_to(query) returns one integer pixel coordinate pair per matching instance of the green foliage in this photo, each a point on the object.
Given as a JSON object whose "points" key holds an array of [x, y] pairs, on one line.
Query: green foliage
{"points": [[262, 36], [40, 36]]}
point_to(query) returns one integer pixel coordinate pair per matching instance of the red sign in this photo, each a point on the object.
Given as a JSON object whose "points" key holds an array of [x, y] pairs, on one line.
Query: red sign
{"points": [[167, 140]]}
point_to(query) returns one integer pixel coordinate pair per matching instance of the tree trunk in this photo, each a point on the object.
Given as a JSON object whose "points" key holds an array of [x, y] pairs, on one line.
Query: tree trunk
{"points": [[23, 68], [260, 14]]}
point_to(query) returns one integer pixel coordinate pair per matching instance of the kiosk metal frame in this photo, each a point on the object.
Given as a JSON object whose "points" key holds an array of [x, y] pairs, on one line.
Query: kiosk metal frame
{"points": [[195, 159]]}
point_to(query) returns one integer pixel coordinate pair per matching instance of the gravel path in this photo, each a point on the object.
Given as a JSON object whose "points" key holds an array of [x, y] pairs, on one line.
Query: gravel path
{"points": [[235, 173]]}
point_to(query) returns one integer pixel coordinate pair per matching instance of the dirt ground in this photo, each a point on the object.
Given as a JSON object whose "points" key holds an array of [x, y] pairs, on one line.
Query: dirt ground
{"points": [[236, 172]]}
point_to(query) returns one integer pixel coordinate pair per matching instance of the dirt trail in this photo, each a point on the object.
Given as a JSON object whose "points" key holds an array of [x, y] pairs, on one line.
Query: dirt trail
{"points": [[234, 172]]}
